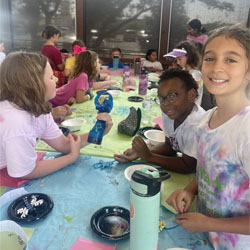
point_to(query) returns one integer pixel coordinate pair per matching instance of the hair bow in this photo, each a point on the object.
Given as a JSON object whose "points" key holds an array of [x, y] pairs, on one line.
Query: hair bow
{"points": [[77, 49]]}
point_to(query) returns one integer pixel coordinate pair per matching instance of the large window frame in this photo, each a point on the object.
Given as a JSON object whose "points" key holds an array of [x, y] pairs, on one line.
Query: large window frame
{"points": [[163, 35]]}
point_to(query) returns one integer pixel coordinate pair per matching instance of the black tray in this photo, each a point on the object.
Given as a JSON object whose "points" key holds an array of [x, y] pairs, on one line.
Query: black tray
{"points": [[35, 211]]}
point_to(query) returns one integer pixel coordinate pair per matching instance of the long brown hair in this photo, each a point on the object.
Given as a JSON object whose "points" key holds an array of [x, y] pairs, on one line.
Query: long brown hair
{"points": [[86, 62], [22, 82]]}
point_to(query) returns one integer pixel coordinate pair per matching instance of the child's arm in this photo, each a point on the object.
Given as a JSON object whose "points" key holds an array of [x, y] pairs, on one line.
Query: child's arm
{"points": [[197, 222], [81, 96], [70, 146], [164, 156], [99, 85]]}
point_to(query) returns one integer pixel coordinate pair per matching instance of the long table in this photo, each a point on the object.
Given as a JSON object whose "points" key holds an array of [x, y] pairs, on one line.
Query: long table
{"points": [[114, 142], [81, 189]]}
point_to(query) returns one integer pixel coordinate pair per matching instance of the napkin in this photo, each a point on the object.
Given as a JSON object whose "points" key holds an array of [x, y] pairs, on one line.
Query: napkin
{"points": [[91, 245], [158, 122]]}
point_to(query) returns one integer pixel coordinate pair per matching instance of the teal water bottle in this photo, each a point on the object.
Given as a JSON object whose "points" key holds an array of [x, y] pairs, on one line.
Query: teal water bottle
{"points": [[145, 186], [115, 62]]}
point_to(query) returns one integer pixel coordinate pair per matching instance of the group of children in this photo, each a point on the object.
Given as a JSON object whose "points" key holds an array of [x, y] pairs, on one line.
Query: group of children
{"points": [[214, 144]]}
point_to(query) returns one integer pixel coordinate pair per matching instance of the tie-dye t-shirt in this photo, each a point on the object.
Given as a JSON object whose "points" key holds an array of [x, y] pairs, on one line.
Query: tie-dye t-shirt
{"points": [[223, 171], [183, 137]]}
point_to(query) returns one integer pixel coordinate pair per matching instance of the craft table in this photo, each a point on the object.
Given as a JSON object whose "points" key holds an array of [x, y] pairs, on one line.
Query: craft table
{"points": [[78, 191], [113, 142]]}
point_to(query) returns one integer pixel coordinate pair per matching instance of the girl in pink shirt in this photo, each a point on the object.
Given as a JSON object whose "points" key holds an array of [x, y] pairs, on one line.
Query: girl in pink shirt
{"points": [[24, 95], [79, 88], [195, 31]]}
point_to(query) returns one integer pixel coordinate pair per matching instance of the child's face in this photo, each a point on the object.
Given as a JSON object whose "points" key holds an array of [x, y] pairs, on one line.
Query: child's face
{"points": [[192, 32], [179, 98], [98, 65], [182, 61], [1, 47], [117, 53], [56, 37], [152, 57], [50, 83], [225, 67]]}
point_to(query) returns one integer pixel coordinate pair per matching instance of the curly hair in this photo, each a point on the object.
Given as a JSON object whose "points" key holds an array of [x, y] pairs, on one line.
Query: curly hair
{"points": [[186, 78], [22, 82]]}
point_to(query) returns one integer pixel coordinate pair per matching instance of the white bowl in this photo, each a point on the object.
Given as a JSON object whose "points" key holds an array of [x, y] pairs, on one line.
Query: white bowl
{"points": [[155, 136], [114, 92], [74, 124], [131, 169]]}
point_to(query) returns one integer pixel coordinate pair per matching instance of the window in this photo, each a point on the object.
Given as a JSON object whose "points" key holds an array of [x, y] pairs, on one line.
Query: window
{"points": [[131, 25], [28, 18], [212, 14]]}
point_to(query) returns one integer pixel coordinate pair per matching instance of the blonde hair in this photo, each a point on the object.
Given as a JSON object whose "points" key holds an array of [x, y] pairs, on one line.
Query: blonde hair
{"points": [[86, 62], [22, 82]]}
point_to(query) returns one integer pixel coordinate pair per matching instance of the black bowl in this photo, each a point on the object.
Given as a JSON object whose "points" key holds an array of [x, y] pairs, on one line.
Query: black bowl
{"points": [[135, 98], [141, 131], [112, 223], [38, 205]]}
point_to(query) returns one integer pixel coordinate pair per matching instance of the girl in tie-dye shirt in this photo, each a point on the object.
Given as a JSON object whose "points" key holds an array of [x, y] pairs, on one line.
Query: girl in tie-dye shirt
{"points": [[223, 147]]}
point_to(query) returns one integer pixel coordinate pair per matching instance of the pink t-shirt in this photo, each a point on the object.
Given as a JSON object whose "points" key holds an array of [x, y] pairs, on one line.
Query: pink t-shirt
{"points": [[69, 90], [19, 133], [202, 38], [53, 54]]}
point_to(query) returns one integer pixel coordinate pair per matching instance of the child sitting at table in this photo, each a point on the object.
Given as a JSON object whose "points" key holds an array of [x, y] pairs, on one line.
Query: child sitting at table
{"points": [[222, 146], [79, 88], [117, 52], [177, 92], [187, 57], [25, 118], [151, 62], [77, 47]]}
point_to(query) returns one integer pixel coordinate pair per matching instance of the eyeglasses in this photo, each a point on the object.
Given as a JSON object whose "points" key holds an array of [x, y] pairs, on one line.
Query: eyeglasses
{"points": [[171, 97]]}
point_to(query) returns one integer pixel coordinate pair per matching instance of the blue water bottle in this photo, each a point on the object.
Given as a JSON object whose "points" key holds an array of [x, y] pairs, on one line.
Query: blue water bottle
{"points": [[103, 103], [145, 186], [115, 62]]}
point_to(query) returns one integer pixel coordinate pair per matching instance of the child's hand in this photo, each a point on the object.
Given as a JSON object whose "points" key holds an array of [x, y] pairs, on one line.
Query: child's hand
{"points": [[140, 148], [128, 155], [192, 222], [176, 198], [61, 111], [71, 101], [105, 117], [75, 144], [68, 109]]}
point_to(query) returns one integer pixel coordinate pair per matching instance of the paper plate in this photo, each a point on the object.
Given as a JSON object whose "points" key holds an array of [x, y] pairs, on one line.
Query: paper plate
{"points": [[131, 169], [30, 207], [112, 223], [135, 99]]}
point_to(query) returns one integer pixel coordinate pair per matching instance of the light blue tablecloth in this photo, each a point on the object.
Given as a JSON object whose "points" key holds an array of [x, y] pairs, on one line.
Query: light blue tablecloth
{"points": [[81, 189]]}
